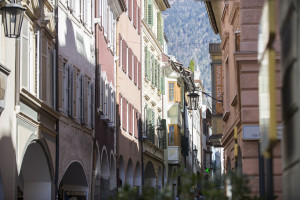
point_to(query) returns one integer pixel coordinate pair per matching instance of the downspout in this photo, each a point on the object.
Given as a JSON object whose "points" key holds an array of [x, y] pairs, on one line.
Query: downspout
{"points": [[57, 104]]}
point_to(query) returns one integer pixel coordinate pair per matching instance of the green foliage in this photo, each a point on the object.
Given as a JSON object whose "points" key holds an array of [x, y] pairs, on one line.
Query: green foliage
{"points": [[190, 184], [192, 65]]}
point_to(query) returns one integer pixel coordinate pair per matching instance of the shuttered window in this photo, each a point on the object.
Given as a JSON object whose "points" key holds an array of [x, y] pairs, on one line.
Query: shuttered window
{"points": [[150, 13], [134, 13], [145, 10], [155, 73], [99, 108], [130, 63], [121, 109], [135, 74], [124, 55], [162, 82], [158, 78], [159, 28], [120, 51], [139, 20], [130, 9], [81, 99], [25, 55], [152, 70], [139, 75], [53, 67]]}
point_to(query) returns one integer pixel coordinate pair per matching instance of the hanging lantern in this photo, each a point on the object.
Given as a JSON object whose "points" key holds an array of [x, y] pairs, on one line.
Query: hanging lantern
{"points": [[12, 15], [193, 99]]}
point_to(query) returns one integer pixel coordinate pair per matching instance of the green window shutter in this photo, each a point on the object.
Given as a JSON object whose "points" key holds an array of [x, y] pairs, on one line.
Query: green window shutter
{"points": [[145, 10], [148, 65], [146, 61], [164, 140], [159, 27], [162, 82], [152, 70], [155, 73], [150, 13], [162, 29], [158, 78]]}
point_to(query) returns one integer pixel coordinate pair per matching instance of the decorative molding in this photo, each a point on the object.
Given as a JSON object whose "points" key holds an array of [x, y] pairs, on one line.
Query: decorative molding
{"points": [[226, 116], [234, 10], [234, 100], [225, 10], [4, 69]]}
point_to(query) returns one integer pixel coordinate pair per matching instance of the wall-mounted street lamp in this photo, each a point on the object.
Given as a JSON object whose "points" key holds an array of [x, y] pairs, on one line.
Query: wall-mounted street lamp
{"points": [[12, 19], [193, 99]]}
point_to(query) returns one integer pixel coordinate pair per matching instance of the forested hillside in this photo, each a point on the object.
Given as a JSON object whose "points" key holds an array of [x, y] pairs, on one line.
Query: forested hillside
{"points": [[189, 33]]}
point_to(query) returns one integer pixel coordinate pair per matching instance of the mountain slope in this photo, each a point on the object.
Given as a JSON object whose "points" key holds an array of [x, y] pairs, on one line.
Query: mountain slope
{"points": [[189, 33]]}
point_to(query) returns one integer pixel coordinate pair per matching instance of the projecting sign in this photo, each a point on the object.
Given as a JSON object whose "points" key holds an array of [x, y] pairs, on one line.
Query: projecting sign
{"points": [[251, 132], [218, 88]]}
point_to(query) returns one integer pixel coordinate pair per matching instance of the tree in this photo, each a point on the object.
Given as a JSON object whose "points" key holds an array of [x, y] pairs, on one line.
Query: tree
{"points": [[192, 65]]}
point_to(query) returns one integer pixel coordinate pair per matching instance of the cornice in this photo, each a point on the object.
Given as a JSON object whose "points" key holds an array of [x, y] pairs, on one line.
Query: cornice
{"points": [[151, 34]]}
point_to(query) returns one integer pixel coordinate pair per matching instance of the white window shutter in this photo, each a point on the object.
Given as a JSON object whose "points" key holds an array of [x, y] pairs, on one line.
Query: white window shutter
{"points": [[25, 54]]}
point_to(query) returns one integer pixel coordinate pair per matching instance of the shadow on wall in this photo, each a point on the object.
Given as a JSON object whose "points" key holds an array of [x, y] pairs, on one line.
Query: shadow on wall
{"points": [[74, 46], [8, 168]]}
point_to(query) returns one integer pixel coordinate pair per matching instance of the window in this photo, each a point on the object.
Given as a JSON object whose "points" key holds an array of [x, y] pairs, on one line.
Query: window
{"points": [[133, 71], [91, 105], [25, 55], [81, 99], [171, 91], [68, 90], [171, 135], [121, 111]]}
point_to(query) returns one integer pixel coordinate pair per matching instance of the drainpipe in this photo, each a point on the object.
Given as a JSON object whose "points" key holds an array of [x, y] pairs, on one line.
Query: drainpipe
{"points": [[57, 104]]}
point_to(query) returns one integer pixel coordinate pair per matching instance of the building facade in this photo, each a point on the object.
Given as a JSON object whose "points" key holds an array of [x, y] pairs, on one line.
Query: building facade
{"points": [[288, 26], [107, 15], [237, 23], [28, 115], [152, 49], [129, 88]]}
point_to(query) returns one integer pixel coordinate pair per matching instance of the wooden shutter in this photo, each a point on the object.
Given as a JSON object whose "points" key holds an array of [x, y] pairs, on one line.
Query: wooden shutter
{"points": [[152, 70], [130, 63], [139, 20], [74, 91], [60, 83], [135, 70], [146, 61], [145, 10], [69, 89], [134, 13], [124, 55], [140, 75], [130, 9], [120, 51], [150, 13], [158, 78], [25, 54], [120, 109], [135, 123], [129, 118], [85, 99], [98, 87], [124, 113], [44, 69], [159, 27], [163, 83]]}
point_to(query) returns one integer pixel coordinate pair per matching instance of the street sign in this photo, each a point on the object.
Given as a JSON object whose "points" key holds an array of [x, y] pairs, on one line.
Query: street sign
{"points": [[252, 132]]}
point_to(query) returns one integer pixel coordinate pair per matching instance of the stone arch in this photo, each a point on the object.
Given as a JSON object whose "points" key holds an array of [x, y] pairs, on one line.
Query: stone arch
{"points": [[150, 177], [129, 173], [35, 177], [121, 172], [137, 183], [73, 181], [105, 175]]}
